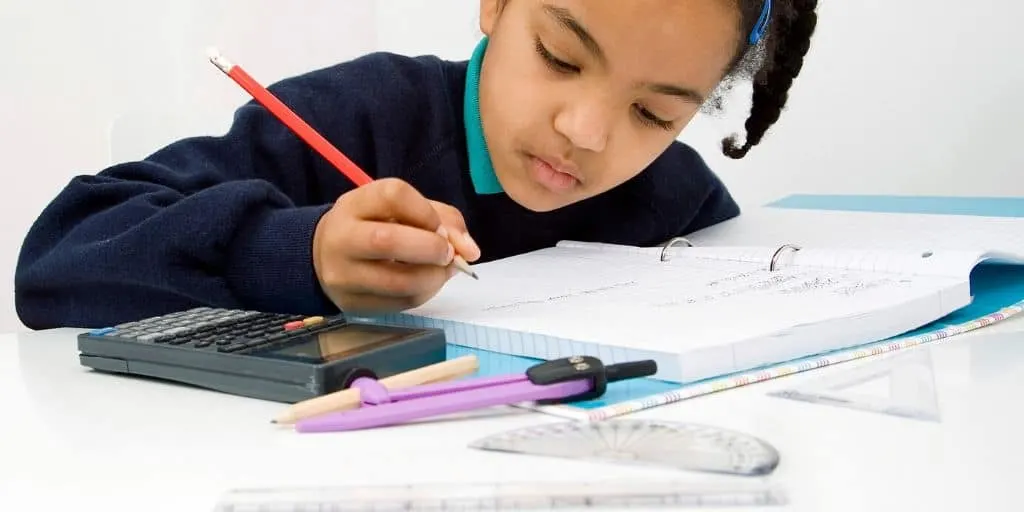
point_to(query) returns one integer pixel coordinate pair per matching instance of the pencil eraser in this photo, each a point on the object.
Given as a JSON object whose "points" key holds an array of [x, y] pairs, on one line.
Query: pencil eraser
{"points": [[218, 60]]}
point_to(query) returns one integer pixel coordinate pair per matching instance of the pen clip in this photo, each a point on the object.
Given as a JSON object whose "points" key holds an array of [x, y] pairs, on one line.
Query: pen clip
{"points": [[354, 374], [586, 367]]}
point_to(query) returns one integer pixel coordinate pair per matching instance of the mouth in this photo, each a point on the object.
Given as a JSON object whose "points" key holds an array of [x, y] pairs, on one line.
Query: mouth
{"points": [[554, 174]]}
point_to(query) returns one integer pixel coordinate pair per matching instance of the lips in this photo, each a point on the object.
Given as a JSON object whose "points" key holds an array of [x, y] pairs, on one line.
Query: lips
{"points": [[555, 175], [561, 166]]}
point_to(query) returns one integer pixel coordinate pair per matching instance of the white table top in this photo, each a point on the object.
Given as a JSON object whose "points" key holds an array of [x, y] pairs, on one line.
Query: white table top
{"points": [[73, 438]]}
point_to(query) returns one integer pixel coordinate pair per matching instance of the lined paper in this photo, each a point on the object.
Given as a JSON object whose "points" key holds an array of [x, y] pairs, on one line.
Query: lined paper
{"points": [[627, 303], [715, 308]]}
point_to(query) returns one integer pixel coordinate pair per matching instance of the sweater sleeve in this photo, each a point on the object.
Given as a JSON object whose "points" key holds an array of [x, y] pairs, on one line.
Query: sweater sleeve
{"points": [[223, 221], [718, 206], [691, 195]]}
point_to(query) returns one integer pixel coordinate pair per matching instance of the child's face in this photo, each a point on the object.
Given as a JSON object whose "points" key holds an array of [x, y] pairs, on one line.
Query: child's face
{"points": [[627, 78]]}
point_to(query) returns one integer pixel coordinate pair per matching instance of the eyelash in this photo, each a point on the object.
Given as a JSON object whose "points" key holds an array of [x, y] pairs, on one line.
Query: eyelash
{"points": [[647, 117], [560, 66], [553, 62]]}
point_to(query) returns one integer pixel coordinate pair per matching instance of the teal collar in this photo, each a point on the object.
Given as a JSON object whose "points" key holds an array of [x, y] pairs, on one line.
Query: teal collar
{"points": [[481, 171]]}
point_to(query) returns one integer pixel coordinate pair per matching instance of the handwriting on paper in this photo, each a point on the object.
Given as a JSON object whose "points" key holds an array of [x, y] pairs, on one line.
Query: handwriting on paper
{"points": [[561, 297], [780, 283]]}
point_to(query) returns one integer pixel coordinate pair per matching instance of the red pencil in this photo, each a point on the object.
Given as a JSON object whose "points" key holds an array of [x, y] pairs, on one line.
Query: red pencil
{"points": [[303, 130], [289, 118]]}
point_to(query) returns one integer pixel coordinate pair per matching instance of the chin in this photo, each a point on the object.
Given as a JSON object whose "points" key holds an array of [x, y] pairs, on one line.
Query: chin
{"points": [[536, 199], [537, 206]]}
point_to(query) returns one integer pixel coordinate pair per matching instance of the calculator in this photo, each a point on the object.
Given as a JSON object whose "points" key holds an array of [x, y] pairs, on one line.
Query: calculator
{"points": [[271, 356]]}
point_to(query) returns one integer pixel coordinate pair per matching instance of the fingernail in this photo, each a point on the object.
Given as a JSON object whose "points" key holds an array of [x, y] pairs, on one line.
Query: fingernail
{"points": [[443, 232], [451, 254]]}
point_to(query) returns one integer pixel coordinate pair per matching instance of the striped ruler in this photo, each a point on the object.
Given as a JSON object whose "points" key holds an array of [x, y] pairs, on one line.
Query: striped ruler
{"points": [[610, 495], [688, 391]]}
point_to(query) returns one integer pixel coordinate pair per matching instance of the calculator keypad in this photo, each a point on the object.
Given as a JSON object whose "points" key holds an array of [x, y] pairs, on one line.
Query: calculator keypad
{"points": [[223, 330]]}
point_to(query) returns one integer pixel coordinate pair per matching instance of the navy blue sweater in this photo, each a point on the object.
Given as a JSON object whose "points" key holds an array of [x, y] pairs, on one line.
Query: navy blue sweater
{"points": [[228, 221]]}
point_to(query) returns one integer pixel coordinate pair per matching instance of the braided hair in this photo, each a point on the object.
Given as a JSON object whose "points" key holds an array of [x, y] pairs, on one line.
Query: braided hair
{"points": [[773, 63]]}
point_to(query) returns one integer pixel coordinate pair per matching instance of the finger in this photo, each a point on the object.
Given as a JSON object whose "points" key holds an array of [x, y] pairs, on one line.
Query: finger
{"points": [[370, 304], [453, 227], [464, 245], [389, 241], [391, 199], [450, 215], [396, 280]]}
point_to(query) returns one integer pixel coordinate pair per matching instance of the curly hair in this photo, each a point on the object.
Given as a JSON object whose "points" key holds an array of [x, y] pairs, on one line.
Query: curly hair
{"points": [[773, 63]]}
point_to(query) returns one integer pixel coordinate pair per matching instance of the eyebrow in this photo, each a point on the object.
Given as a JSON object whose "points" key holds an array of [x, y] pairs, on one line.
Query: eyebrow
{"points": [[684, 93], [568, 21]]}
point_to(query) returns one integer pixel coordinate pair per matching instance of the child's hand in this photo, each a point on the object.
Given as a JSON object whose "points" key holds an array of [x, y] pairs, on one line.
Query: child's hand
{"points": [[385, 247]]}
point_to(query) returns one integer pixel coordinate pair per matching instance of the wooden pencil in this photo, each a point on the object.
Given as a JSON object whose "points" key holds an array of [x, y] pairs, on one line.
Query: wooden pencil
{"points": [[349, 398]]}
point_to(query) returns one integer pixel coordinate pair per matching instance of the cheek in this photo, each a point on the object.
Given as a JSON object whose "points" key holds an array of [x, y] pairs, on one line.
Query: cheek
{"points": [[633, 148], [513, 99]]}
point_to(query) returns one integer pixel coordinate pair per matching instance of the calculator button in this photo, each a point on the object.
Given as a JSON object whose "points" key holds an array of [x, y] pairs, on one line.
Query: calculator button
{"points": [[102, 332], [279, 336], [255, 343], [234, 347], [204, 343], [177, 330]]}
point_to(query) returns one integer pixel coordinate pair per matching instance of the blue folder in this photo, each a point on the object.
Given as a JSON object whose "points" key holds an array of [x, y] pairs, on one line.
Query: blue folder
{"points": [[995, 286]]}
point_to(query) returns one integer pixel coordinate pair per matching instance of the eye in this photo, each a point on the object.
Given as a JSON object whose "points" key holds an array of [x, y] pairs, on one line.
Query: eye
{"points": [[648, 118], [554, 62]]}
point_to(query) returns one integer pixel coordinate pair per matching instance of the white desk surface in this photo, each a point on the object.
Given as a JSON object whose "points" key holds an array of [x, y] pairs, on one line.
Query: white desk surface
{"points": [[72, 439]]}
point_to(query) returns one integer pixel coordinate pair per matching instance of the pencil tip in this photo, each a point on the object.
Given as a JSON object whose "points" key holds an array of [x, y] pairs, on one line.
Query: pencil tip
{"points": [[273, 421], [473, 274]]}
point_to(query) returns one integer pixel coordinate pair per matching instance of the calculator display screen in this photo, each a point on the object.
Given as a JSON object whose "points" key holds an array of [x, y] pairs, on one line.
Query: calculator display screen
{"points": [[341, 343]]}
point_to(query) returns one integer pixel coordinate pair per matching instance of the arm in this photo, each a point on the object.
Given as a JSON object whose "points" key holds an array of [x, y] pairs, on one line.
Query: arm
{"points": [[718, 206], [690, 193], [219, 221]]}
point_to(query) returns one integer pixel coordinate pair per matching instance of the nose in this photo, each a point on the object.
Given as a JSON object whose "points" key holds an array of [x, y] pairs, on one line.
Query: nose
{"points": [[586, 122]]}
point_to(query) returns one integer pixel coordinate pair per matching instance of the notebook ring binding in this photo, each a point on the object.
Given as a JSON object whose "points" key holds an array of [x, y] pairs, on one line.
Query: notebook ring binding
{"points": [[671, 243], [778, 252]]}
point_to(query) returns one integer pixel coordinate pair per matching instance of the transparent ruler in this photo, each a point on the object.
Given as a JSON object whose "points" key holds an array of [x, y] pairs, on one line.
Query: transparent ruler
{"points": [[664, 444], [617, 495]]}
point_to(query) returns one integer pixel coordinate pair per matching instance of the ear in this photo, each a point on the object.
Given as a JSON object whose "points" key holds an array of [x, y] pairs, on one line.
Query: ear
{"points": [[489, 10]]}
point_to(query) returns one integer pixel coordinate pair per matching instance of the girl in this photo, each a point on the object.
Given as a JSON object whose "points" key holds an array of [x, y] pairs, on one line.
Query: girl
{"points": [[562, 125]]}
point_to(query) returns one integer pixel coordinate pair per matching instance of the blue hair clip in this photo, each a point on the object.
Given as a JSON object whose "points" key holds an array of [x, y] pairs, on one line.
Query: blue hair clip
{"points": [[762, 23]]}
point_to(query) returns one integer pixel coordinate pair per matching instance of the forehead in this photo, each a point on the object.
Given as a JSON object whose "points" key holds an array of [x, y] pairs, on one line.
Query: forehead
{"points": [[684, 39]]}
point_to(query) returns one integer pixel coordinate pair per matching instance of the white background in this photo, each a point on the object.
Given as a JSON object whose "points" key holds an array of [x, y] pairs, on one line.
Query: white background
{"points": [[897, 96]]}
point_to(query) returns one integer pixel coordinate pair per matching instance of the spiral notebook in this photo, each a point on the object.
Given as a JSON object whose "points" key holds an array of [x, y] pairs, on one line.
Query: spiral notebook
{"points": [[909, 229], [704, 311], [999, 296]]}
